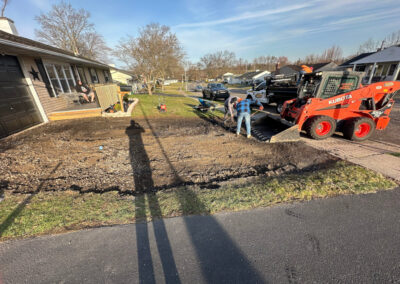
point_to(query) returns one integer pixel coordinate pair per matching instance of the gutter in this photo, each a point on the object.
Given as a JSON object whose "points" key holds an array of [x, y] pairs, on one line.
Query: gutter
{"points": [[49, 52]]}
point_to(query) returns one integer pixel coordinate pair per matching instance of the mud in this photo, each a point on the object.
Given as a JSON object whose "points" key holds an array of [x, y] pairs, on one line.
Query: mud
{"points": [[103, 154]]}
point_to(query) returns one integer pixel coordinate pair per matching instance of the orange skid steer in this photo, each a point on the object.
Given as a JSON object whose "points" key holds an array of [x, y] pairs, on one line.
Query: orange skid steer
{"points": [[336, 101]]}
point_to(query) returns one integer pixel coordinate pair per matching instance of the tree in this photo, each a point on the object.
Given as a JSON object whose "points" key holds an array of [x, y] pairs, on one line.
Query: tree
{"points": [[70, 29], [154, 54], [3, 6], [218, 63], [369, 46]]}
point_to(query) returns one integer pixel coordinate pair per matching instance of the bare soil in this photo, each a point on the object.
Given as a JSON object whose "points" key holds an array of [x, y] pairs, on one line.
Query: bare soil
{"points": [[103, 154]]}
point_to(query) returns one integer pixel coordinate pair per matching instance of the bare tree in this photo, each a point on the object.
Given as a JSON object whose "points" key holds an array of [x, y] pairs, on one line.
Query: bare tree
{"points": [[369, 46], [3, 6], [70, 29], [218, 63], [154, 54]]}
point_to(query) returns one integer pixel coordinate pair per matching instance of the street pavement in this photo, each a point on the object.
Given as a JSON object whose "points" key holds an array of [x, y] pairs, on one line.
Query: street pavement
{"points": [[346, 239]]}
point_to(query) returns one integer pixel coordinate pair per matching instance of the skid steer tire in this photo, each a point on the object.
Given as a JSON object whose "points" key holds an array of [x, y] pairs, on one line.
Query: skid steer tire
{"points": [[359, 129], [320, 127]]}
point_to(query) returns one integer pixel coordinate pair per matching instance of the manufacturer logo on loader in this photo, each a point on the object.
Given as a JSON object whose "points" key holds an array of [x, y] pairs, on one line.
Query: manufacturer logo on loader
{"points": [[347, 97]]}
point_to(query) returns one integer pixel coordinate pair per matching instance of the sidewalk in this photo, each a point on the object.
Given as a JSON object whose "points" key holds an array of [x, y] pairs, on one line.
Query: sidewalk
{"points": [[372, 154], [347, 239]]}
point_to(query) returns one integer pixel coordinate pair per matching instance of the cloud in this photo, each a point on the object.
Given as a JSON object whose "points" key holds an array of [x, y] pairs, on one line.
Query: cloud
{"points": [[246, 16]]}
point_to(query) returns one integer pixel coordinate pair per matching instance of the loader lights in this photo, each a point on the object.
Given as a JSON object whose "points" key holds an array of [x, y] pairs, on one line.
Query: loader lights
{"points": [[309, 101], [388, 84], [376, 113]]}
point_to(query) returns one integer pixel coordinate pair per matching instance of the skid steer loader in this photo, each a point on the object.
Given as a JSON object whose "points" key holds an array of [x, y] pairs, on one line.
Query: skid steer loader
{"points": [[336, 101]]}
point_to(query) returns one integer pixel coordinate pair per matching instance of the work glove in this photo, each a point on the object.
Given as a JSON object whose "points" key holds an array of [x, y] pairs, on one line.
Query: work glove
{"points": [[261, 108]]}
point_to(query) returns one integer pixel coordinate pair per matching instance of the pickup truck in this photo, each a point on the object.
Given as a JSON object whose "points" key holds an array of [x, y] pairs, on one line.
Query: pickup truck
{"points": [[276, 90], [215, 91]]}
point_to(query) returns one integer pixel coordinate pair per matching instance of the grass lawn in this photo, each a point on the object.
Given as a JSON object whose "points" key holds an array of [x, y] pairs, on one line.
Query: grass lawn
{"points": [[55, 212], [176, 106]]}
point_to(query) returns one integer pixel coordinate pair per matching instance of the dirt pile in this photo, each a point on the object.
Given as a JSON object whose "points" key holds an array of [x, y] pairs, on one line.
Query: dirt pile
{"points": [[103, 154]]}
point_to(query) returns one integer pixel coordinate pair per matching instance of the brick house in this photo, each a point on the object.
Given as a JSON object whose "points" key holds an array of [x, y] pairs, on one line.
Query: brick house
{"points": [[37, 80]]}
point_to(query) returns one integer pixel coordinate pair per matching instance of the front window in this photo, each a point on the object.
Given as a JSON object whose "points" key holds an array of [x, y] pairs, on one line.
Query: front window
{"points": [[61, 77], [93, 75], [82, 75], [106, 76], [392, 68], [336, 85]]}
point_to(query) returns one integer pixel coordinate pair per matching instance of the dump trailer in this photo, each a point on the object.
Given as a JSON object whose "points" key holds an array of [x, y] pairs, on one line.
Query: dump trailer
{"points": [[336, 101]]}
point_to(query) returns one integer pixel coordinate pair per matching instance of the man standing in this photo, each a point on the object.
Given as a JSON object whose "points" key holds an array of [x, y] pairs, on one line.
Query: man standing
{"points": [[243, 111], [85, 91]]}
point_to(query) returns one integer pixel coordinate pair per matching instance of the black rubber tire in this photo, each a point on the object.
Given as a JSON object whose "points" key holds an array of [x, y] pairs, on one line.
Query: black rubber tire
{"points": [[249, 97], [350, 127], [204, 95], [279, 106], [313, 123]]}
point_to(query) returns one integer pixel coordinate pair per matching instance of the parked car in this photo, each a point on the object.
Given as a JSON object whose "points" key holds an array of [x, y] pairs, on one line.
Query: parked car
{"points": [[198, 88], [215, 91]]}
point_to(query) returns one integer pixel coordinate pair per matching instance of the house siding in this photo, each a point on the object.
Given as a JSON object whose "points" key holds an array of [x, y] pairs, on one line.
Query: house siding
{"points": [[50, 104]]}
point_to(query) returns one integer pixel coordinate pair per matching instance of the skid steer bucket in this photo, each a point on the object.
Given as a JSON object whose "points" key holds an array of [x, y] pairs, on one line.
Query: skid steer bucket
{"points": [[271, 128]]}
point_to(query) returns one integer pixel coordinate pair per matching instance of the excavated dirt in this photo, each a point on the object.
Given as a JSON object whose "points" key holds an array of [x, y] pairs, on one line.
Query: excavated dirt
{"points": [[103, 154]]}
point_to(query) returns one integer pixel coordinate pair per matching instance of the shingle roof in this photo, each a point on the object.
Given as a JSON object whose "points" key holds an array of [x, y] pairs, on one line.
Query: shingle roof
{"points": [[29, 42], [390, 54], [358, 57], [249, 75]]}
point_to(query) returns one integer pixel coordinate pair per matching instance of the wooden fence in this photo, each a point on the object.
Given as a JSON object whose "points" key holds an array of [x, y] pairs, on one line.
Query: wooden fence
{"points": [[107, 94]]}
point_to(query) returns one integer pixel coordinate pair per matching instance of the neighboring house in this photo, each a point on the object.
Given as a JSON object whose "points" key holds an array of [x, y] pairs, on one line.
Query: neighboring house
{"points": [[231, 78], [249, 78], [382, 65], [37, 79], [349, 63], [122, 76], [288, 70], [325, 66]]}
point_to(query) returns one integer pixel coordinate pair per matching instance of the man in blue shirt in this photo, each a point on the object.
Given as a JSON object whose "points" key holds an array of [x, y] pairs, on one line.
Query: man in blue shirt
{"points": [[243, 110]]}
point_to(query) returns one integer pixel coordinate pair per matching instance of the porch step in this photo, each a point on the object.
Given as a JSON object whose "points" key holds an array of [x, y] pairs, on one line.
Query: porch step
{"points": [[74, 114]]}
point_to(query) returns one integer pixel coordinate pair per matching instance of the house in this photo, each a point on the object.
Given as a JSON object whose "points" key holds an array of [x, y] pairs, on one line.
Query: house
{"points": [[230, 78], [383, 65], [252, 77], [349, 63], [325, 66], [37, 80], [123, 77]]}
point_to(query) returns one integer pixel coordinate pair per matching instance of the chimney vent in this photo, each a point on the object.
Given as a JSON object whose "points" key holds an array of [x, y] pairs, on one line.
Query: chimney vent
{"points": [[7, 25]]}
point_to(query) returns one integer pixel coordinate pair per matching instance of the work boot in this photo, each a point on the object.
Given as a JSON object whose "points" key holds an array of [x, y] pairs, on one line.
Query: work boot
{"points": [[237, 134], [249, 136]]}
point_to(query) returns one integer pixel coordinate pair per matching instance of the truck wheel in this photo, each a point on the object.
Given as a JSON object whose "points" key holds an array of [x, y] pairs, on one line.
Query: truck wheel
{"points": [[204, 96], [359, 129], [321, 127], [249, 97], [279, 106]]}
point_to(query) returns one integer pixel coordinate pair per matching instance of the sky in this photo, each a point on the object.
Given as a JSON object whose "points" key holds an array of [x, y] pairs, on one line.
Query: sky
{"points": [[252, 28]]}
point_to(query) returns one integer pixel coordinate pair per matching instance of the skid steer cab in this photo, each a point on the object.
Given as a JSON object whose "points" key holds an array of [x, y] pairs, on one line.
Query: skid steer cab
{"points": [[336, 101]]}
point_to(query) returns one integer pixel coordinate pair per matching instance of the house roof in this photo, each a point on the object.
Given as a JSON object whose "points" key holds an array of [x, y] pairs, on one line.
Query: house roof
{"points": [[285, 69], [390, 54], [249, 75], [123, 71], [355, 58], [20, 45]]}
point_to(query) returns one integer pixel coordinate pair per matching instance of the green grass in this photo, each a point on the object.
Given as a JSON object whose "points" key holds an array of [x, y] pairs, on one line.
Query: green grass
{"points": [[395, 154], [55, 212], [176, 107]]}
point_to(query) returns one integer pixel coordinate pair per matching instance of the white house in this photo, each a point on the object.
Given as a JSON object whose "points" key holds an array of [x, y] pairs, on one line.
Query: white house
{"points": [[383, 65], [231, 78]]}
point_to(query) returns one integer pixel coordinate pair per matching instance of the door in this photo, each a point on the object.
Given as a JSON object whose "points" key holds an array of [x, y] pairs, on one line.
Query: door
{"points": [[17, 108]]}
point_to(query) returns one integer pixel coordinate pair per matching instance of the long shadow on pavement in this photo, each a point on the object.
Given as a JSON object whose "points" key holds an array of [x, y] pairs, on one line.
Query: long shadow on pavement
{"points": [[220, 260], [144, 185]]}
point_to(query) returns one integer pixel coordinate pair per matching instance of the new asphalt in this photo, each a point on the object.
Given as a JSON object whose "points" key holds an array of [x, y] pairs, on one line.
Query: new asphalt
{"points": [[346, 239]]}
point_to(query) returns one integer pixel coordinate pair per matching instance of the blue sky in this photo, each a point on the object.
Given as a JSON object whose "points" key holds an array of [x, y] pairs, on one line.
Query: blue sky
{"points": [[249, 28]]}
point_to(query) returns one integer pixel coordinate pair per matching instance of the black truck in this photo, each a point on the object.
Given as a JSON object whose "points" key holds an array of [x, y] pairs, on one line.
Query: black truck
{"points": [[278, 89], [215, 91]]}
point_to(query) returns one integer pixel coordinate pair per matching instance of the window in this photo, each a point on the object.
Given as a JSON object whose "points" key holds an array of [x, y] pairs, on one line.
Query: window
{"points": [[53, 78], [360, 68], [93, 75], [392, 68], [61, 77], [338, 85], [106, 75], [82, 75]]}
